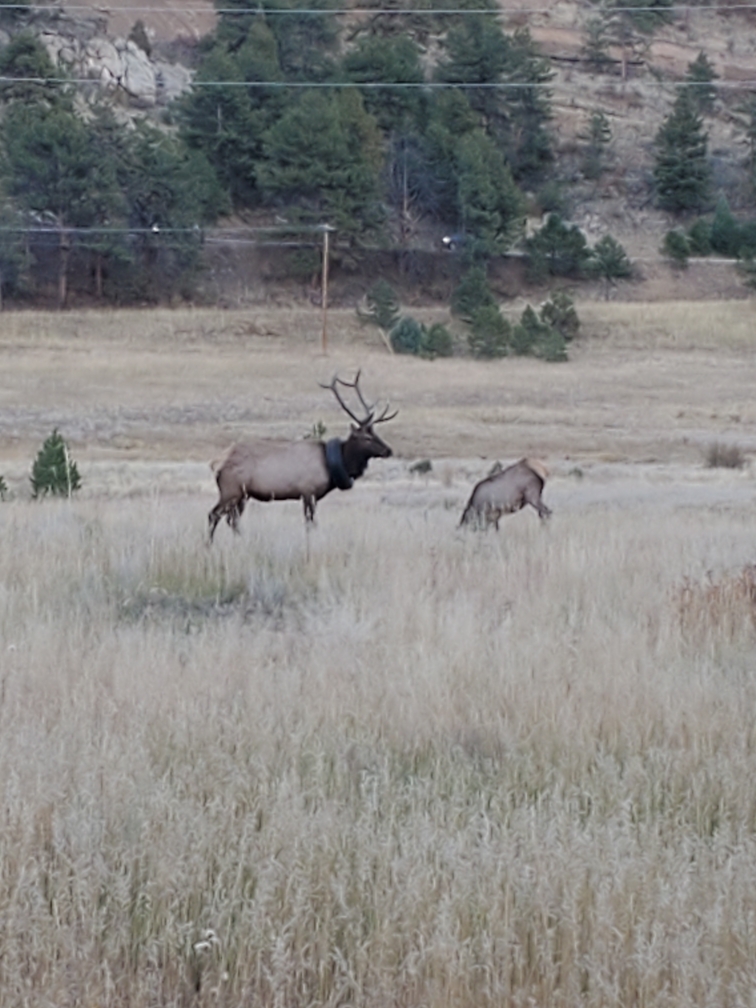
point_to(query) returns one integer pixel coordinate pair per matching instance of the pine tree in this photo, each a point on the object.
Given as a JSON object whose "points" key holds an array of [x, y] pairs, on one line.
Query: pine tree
{"points": [[598, 138], [324, 157], [682, 172], [54, 472], [491, 207], [700, 76], [557, 249]]}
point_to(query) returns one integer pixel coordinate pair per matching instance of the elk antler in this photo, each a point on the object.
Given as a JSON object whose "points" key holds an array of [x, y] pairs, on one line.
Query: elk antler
{"points": [[383, 417], [369, 410], [335, 381]]}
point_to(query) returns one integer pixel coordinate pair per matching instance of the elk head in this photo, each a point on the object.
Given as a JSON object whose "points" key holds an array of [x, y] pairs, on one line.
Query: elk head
{"points": [[363, 443]]}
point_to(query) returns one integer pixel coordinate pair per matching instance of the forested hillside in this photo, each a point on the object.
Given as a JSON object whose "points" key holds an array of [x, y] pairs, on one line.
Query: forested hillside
{"points": [[500, 130]]}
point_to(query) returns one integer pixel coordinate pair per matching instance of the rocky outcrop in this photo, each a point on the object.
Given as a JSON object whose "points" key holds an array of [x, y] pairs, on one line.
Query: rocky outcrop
{"points": [[117, 65]]}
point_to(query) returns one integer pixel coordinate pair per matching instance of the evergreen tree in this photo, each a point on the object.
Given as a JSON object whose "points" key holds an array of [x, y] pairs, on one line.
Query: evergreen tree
{"points": [[471, 293], [700, 75], [222, 122], [598, 138], [609, 260], [23, 61], [557, 249], [170, 192], [596, 45], [681, 171], [53, 170], [478, 52], [53, 471], [382, 306], [377, 60], [306, 34], [527, 142], [13, 258], [536, 337], [490, 333], [491, 207], [676, 248], [724, 235], [559, 312], [324, 156], [13, 10]]}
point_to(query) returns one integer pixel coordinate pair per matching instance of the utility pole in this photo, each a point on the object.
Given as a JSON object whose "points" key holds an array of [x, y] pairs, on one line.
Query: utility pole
{"points": [[326, 229]]}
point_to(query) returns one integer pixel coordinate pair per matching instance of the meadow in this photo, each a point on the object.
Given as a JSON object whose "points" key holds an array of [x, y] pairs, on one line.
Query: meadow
{"points": [[388, 761]]}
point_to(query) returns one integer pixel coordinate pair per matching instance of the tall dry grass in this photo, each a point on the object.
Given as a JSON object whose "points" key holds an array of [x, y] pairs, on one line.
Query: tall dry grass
{"points": [[390, 765]]}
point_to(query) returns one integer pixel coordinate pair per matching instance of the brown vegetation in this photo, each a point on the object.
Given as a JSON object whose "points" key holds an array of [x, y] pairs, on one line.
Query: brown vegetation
{"points": [[399, 765]]}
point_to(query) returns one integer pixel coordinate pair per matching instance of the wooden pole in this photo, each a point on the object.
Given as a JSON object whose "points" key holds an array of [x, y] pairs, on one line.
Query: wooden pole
{"points": [[324, 290]]}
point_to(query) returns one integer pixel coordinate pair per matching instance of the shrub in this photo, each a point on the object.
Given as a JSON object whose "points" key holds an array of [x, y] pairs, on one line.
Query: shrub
{"points": [[303, 264], [699, 237], [725, 233], [723, 456], [559, 312], [676, 248], [471, 293], [609, 260], [437, 342], [557, 249], [535, 337], [54, 472], [491, 333], [407, 336], [383, 306]]}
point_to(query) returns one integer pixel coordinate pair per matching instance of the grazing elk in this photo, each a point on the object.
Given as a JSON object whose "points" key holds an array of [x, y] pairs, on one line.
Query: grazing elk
{"points": [[505, 492], [270, 470]]}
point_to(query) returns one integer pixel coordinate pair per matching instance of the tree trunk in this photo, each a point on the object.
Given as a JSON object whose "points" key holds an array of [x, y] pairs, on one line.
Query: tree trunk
{"points": [[98, 275], [65, 251]]}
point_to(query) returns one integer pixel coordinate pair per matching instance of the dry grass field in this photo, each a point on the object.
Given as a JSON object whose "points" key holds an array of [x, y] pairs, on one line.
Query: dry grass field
{"points": [[387, 763]]}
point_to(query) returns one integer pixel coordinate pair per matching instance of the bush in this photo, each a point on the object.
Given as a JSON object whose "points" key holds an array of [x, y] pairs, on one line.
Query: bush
{"points": [[437, 342], [407, 336], [676, 247], [53, 471], [491, 333], [723, 456], [699, 238], [532, 336], [383, 306], [559, 312], [557, 249], [725, 233], [609, 260], [471, 293]]}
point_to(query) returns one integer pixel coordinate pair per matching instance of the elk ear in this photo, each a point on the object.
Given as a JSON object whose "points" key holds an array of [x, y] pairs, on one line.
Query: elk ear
{"points": [[354, 429]]}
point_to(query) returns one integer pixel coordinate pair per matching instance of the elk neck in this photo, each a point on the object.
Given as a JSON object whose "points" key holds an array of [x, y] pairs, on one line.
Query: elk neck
{"points": [[338, 473]]}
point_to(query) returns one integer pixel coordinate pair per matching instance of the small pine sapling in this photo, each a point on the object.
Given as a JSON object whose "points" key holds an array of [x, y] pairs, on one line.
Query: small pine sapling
{"points": [[54, 472]]}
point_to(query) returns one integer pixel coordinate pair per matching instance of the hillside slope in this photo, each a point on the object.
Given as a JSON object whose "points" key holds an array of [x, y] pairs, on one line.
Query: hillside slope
{"points": [[635, 93]]}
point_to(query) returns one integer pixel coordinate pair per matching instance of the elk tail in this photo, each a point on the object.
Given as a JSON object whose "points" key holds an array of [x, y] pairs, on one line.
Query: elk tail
{"points": [[538, 467], [218, 463]]}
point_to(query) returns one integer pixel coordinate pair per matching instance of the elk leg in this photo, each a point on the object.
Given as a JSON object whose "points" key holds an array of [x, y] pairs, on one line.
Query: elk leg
{"points": [[213, 518], [234, 513], [309, 509], [535, 501]]}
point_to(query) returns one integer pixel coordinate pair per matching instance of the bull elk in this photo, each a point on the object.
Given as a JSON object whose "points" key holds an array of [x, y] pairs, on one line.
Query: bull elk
{"points": [[505, 492], [268, 470]]}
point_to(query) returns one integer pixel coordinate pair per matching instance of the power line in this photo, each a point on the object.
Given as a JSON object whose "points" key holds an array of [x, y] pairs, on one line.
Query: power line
{"points": [[377, 85], [368, 10]]}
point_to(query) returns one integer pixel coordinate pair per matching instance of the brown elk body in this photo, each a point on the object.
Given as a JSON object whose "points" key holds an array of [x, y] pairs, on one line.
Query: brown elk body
{"points": [[506, 492], [268, 470]]}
